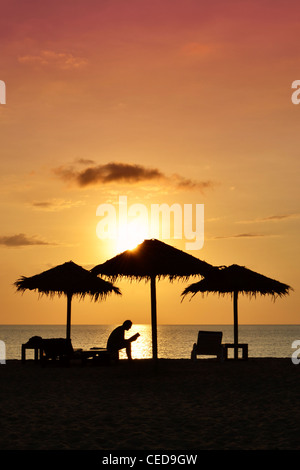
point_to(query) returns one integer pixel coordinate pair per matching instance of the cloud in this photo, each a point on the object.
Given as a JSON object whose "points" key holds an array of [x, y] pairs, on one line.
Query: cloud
{"points": [[85, 161], [124, 173], [276, 218], [48, 58], [56, 204], [21, 240], [185, 183], [272, 218], [244, 235], [43, 205], [117, 172]]}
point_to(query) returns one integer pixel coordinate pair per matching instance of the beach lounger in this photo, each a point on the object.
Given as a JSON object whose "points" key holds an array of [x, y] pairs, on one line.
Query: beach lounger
{"points": [[209, 344], [56, 349], [97, 354], [61, 349]]}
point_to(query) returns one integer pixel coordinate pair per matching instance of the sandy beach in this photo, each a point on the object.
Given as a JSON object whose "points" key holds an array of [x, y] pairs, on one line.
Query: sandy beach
{"points": [[132, 406]]}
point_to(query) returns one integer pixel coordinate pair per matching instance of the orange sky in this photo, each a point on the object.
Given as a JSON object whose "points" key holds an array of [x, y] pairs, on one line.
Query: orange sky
{"points": [[197, 92]]}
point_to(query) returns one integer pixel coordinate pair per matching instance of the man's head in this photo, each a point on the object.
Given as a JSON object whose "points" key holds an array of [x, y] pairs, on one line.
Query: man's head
{"points": [[127, 324]]}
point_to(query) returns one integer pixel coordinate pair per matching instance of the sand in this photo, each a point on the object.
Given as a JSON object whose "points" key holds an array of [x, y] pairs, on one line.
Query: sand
{"points": [[181, 405]]}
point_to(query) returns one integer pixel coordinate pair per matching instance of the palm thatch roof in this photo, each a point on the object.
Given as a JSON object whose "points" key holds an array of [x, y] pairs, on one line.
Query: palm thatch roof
{"points": [[153, 258], [236, 279], [240, 279], [69, 279]]}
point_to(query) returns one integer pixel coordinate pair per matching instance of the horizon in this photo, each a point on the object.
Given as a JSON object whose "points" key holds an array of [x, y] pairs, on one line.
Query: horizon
{"points": [[159, 324]]}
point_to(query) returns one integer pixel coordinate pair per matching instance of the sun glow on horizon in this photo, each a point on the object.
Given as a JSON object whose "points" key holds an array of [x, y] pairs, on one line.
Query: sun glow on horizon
{"points": [[130, 236]]}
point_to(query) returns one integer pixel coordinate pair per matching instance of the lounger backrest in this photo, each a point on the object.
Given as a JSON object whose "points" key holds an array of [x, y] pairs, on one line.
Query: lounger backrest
{"points": [[209, 341], [57, 346]]}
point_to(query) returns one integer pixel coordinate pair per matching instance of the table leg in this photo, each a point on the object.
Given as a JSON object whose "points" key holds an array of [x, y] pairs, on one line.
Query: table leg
{"points": [[23, 353]]}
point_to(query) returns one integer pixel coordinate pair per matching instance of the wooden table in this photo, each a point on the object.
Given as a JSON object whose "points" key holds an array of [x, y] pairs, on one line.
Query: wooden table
{"points": [[242, 346], [37, 352]]}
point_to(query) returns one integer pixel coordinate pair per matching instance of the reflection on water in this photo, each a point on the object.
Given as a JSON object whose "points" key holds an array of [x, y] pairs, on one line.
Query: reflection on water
{"points": [[174, 341], [142, 347]]}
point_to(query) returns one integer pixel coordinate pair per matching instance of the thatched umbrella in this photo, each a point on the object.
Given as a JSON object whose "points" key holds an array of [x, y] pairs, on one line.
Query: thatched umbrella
{"points": [[68, 279], [150, 260], [236, 279]]}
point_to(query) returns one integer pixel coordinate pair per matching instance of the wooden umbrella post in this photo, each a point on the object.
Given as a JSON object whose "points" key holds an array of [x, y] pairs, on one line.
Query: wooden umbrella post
{"points": [[235, 320], [69, 300], [153, 318]]}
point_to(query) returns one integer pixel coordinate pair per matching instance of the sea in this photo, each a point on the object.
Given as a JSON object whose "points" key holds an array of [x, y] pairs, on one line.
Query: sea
{"points": [[174, 341]]}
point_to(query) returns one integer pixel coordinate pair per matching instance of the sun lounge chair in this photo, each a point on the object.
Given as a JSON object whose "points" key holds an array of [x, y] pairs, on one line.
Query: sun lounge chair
{"points": [[56, 349], [61, 349], [209, 344], [98, 356]]}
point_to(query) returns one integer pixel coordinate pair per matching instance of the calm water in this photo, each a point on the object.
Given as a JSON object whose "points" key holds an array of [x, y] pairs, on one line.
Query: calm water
{"points": [[174, 341]]}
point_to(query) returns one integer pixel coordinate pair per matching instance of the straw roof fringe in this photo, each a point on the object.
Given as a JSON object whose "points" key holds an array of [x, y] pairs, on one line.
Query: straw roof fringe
{"points": [[153, 258], [66, 279], [227, 280]]}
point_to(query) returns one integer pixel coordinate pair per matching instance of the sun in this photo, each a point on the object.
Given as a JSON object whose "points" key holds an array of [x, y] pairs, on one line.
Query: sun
{"points": [[131, 235]]}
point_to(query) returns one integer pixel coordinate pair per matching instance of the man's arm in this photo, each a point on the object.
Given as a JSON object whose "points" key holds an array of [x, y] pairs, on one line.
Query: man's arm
{"points": [[134, 337]]}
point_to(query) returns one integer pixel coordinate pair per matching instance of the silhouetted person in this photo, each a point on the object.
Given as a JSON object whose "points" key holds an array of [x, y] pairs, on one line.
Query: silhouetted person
{"points": [[117, 341]]}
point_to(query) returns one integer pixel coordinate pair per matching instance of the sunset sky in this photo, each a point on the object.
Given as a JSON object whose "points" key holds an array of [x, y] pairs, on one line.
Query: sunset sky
{"points": [[169, 101]]}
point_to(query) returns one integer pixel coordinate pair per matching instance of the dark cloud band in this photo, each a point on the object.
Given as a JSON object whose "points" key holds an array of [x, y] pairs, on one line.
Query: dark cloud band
{"points": [[125, 173], [20, 240]]}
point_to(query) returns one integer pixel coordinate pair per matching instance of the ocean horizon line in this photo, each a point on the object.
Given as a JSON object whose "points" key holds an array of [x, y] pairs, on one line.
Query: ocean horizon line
{"points": [[159, 324]]}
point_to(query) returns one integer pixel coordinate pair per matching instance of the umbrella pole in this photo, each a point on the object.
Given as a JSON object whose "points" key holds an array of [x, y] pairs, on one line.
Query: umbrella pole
{"points": [[153, 318], [69, 299], [235, 319]]}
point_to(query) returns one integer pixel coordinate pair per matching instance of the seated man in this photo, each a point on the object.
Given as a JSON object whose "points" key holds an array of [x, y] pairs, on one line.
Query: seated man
{"points": [[117, 341]]}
